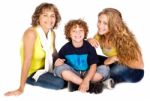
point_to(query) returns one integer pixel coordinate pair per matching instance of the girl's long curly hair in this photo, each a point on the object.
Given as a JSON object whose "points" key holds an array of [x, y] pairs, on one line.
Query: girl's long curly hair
{"points": [[120, 37]]}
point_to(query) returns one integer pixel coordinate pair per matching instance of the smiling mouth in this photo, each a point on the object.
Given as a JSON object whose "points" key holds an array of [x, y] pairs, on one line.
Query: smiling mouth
{"points": [[78, 37]]}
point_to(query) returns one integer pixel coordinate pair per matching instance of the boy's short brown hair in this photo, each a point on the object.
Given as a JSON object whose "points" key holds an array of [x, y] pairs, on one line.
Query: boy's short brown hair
{"points": [[73, 23]]}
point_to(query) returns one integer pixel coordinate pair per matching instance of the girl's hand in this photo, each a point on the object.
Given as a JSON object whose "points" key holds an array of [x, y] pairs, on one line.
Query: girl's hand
{"points": [[111, 60], [93, 42]]}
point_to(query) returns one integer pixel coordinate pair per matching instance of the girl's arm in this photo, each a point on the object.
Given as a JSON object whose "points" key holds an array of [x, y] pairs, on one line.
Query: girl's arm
{"points": [[111, 60], [137, 64]]}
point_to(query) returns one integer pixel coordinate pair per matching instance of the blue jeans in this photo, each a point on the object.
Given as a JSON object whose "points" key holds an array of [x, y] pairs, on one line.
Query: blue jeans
{"points": [[121, 73], [47, 80], [102, 70]]}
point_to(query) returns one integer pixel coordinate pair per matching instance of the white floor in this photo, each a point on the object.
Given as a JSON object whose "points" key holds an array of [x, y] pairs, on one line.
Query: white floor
{"points": [[125, 92]]}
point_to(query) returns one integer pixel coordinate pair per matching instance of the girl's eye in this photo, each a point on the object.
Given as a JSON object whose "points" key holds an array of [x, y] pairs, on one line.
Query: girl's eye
{"points": [[105, 23]]}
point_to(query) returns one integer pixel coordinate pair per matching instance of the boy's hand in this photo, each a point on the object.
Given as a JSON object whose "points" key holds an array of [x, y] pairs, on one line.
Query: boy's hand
{"points": [[84, 86], [59, 62]]}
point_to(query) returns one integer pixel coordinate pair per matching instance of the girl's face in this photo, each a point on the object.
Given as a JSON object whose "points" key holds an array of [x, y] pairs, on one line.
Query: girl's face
{"points": [[102, 24], [77, 34], [47, 19]]}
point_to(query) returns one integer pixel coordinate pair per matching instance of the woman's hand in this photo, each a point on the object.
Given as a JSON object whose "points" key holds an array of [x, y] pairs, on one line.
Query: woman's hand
{"points": [[93, 42], [111, 60], [59, 62], [14, 93]]}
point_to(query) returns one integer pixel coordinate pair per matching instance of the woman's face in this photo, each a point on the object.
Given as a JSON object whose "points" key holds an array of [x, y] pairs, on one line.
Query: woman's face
{"points": [[47, 19], [102, 24]]}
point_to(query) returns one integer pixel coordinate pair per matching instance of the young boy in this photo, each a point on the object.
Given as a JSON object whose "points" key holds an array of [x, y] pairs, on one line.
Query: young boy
{"points": [[77, 62]]}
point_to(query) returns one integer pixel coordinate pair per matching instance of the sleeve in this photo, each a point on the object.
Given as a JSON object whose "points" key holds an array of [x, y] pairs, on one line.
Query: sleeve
{"points": [[92, 57], [61, 53]]}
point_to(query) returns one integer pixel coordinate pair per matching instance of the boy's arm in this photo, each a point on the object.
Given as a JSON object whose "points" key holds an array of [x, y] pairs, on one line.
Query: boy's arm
{"points": [[90, 73], [84, 86]]}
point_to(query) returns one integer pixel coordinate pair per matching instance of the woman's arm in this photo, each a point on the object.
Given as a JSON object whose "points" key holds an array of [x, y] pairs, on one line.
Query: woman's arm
{"points": [[28, 44], [137, 64], [111, 60]]}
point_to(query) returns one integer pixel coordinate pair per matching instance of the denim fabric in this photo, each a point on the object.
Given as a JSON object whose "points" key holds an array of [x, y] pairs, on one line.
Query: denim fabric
{"points": [[102, 69], [121, 73], [58, 70], [47, 80]]}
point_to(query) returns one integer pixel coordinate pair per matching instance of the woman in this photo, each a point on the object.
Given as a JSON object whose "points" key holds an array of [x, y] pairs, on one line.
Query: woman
{"points": [[38, 50], [118, 43]]}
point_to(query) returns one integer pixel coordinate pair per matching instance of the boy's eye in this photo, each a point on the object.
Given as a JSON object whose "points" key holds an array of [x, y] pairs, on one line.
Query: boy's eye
{"points": [[44, 15], [53, 16], [81, 30], [73, 31]]}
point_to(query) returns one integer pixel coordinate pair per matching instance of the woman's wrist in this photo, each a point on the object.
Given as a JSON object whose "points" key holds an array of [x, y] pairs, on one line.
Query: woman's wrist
{"points": [[116, 59]]}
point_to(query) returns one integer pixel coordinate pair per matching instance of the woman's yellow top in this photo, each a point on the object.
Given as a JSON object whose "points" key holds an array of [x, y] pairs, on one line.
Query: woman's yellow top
{"points": [[106, 51], [38, 57]]}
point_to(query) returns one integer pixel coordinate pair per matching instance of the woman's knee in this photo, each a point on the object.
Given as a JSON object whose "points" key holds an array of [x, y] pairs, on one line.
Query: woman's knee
{"points": [[136, 76], [117, 69], [60, 83]]}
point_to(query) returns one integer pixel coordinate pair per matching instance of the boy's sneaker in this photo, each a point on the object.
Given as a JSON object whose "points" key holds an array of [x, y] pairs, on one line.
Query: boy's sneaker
{"points": [[72, 87], [96, 87], [109, 83]]}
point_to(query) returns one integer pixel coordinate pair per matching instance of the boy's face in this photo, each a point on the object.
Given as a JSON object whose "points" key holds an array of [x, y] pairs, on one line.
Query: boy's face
{"points": [[77, 33]]}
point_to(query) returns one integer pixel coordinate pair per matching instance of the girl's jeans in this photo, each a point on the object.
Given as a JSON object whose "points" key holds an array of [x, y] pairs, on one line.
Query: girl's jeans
{"points": [[121, 73]]}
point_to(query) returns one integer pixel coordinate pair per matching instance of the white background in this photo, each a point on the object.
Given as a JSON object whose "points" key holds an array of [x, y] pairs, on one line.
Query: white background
{"points": [[15, 18]]}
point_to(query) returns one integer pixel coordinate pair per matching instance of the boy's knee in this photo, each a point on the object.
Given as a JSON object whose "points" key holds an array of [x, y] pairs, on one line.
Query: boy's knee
{"points": [[104, 71]]}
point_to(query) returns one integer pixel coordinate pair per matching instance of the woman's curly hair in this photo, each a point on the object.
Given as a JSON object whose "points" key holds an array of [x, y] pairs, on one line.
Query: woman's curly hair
{"points": [[120, 37]]}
